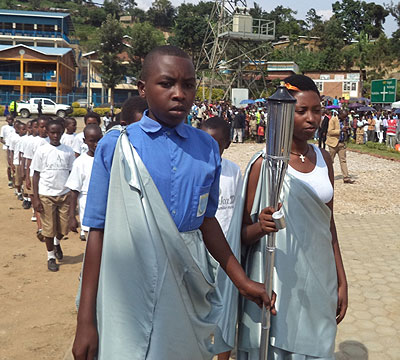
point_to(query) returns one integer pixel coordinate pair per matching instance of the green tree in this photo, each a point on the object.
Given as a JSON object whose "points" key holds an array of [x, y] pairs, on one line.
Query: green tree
{"points": [[356, 16], [111, 45], [97, 16], [143, 37], [161, 14], [112, 7], [190, 29]]}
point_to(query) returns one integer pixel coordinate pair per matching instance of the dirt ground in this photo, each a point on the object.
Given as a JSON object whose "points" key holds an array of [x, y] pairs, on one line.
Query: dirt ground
{"points": [[37, 318]]}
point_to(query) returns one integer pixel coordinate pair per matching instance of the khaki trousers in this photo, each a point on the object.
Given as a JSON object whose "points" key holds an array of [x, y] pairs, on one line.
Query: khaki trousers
{"points": [[340, 149]]}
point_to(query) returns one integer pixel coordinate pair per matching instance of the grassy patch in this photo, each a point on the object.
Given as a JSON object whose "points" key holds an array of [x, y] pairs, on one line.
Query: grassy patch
{"points": [[371, 148], [375, 149]]}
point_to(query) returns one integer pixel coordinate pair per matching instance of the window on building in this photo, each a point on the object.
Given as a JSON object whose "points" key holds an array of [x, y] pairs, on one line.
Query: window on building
{"points": [[320, 85], [349, 86]]}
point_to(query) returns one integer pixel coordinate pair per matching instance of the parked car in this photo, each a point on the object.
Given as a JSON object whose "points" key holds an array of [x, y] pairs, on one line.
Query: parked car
{"points": [[49, 107]]}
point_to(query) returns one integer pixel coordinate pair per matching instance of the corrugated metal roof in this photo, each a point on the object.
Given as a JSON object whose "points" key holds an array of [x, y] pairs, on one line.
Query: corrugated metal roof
{"points": [[51, 51], [34, 13]]}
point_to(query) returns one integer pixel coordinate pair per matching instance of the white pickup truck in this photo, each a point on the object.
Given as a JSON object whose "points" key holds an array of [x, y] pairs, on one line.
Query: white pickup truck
{"points": [[49, 107]]}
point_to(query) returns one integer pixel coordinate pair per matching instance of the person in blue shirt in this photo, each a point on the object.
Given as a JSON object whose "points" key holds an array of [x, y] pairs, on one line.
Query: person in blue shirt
{"points": [[184, 164]]}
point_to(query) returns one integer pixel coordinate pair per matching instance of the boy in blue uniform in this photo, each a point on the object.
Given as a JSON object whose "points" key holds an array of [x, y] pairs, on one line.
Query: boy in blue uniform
{"points": [[184, 164]]}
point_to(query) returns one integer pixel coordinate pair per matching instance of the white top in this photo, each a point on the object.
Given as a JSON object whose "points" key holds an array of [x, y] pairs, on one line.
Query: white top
{"points": [[13, 136], [33, 145], [5, 131], [14, 146], [67, 139], [25, 141], [318, 179], [78, 145], [54, 164], [79, 178], [229, 184]]}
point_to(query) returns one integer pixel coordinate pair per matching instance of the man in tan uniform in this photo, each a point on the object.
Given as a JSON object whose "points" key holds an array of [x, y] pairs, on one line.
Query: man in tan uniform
{"points": [[335, 141]]}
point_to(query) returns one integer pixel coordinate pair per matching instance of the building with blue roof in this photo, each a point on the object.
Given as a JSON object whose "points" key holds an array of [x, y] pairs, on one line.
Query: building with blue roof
{"points": [[35, 54], [35, 28]]}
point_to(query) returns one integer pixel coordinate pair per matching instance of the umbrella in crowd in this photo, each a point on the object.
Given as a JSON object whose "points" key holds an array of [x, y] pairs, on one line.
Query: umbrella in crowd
{"points": [[366, 108], [333, 107], [366, 100], [247, 101], [397, 111], [260, 100], [355, 105]]}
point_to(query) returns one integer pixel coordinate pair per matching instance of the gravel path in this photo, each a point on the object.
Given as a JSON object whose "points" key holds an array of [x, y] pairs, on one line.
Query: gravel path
{"points": [[377, 187]]}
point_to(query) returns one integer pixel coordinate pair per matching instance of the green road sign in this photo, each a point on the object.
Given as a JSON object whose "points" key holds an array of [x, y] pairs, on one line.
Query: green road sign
{"points": [[383, 91]]}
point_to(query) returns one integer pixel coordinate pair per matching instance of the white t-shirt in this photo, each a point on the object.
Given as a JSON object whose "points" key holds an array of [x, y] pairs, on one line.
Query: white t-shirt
{"points": [[25, 141], [5, 131], [229, 185], [10, 140], [54, 164], [14, 145], [79, 178], [32, 146], [67, 139], [78, 145]]}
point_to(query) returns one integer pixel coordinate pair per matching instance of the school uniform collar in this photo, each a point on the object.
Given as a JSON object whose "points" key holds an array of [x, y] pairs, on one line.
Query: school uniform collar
{"points": [[151, 126]]}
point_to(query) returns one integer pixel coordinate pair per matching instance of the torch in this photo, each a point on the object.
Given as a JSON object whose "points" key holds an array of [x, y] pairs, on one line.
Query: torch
{"points": [[279, 132]]}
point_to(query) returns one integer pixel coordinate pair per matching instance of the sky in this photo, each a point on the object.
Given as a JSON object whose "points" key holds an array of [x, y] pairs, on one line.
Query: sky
{"points": [[323, 8]]}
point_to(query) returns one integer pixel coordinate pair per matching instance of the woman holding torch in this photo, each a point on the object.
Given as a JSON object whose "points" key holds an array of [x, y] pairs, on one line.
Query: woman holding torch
{"points": [[309, 280]]}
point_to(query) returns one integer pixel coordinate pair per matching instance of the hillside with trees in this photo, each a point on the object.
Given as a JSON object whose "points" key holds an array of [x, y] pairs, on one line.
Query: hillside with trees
{"points": [[353, 38]]}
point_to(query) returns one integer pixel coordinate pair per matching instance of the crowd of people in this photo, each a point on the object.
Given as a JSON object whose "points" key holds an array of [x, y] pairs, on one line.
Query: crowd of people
{"points": [[168, 216], [49, 166]]}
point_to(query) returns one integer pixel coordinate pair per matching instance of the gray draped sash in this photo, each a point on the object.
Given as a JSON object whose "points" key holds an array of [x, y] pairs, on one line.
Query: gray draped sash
{"points": [[157, 295], [305, 279]]}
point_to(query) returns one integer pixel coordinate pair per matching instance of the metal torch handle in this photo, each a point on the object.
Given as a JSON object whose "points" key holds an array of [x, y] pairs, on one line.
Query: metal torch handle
{"points": [[266, 314]]}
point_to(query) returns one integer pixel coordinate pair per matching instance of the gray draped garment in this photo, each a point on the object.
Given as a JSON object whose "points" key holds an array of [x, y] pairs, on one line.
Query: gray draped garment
{"points": [[305, 278], [157, 295]]}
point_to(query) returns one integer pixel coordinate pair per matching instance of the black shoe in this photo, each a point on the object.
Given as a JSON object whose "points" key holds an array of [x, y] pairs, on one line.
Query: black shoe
{"points": [[26, 204], [20, 197], [349, 181], [82, 237], [40, 236], [52, 265], [58, 252]]}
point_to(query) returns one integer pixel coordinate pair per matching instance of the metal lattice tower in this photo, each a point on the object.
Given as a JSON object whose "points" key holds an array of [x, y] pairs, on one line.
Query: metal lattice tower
{"points": [[231, 48]]}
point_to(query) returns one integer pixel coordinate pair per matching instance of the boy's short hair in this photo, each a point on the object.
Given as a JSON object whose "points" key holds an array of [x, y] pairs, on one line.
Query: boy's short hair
{"points": [[46, 118], [55, 122], [67, 120], [91, 127], [218, 123], [131, 105], [168, 50], [92, 114], [112, 124], [34, 121]]}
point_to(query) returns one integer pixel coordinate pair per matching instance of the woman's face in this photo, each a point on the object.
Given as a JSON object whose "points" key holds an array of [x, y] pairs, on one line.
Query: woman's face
{"points": [[307, 116]]}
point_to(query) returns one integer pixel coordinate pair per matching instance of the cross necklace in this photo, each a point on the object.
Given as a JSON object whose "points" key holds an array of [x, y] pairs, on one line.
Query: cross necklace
{"points": [[301, 156]]}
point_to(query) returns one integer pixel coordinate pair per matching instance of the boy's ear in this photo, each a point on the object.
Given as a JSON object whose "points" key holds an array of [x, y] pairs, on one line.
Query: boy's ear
{"points": [[141, 87]]}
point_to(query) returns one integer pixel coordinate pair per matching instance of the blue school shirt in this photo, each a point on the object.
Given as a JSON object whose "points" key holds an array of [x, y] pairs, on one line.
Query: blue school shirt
{"points": [[183, 162]]}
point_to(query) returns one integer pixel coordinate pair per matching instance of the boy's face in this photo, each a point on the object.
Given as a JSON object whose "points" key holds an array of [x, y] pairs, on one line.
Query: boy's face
{"points": [[92, 138], [71, 127], [169, 89], [219, 137], [91, 120], [10, 120], [22, 130], [35, 128], [54, 133], [42, 128]]}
